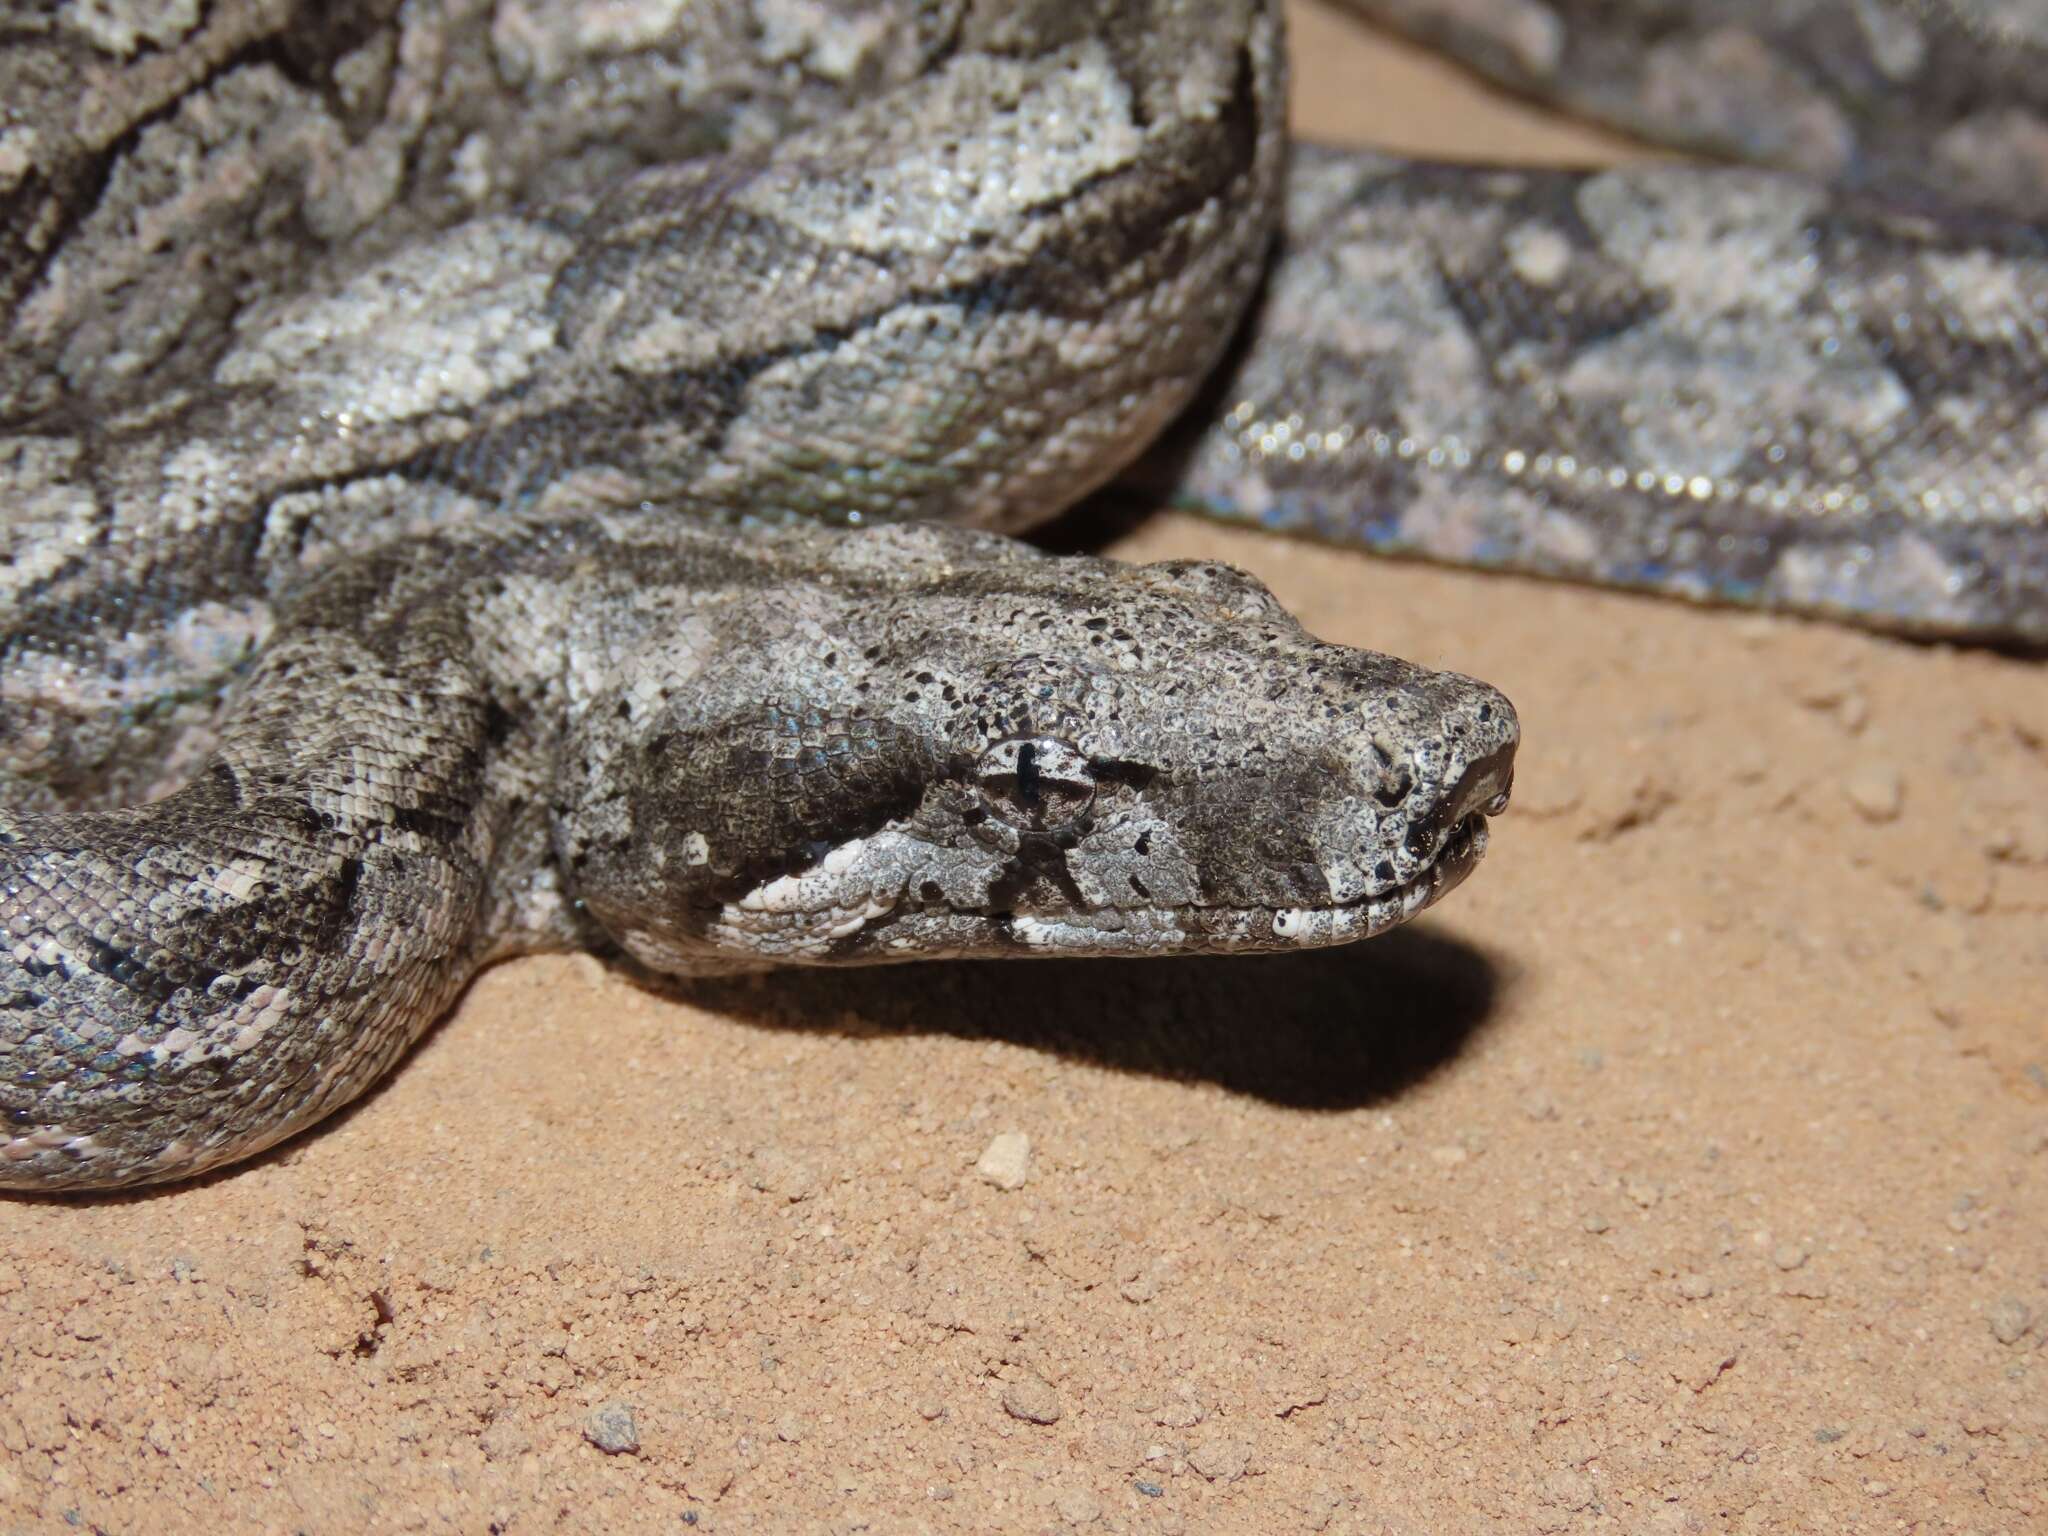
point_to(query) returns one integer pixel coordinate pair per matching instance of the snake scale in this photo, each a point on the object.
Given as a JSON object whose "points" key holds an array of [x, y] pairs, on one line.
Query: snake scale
{"points": [[492, 475]]}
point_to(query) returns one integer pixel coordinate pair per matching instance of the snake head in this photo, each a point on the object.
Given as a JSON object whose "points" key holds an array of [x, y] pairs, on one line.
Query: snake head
{"points": [[940, 743]]}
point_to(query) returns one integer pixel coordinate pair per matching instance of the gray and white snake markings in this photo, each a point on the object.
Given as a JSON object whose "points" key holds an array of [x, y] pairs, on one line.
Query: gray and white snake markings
{"points": [[480, 476]]}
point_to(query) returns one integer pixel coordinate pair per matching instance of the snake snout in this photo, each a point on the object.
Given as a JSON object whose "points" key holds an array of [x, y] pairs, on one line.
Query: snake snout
{"points": [[1461, 772]]}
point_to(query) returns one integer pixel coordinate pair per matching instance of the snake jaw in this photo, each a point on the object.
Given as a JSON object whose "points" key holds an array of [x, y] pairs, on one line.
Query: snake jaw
{"points": [[779, 920]]}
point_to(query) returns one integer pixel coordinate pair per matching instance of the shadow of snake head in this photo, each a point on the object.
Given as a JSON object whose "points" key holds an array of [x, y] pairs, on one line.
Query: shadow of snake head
{"points": [[938, 743]]}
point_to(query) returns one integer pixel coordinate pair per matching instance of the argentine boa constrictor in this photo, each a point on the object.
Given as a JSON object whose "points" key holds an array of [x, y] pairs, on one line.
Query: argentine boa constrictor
{"points": [[440, 439]]}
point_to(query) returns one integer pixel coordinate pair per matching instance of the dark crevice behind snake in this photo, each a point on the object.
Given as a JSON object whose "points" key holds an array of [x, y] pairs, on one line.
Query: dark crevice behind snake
{"points": [[491, 475]]}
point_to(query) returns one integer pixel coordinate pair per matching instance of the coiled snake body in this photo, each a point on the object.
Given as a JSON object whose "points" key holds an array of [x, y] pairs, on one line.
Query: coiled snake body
{"points": [[445, 516]]}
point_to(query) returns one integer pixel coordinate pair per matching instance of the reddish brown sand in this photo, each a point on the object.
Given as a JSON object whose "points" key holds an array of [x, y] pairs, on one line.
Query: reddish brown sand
{"points": [[1687, 1171]]}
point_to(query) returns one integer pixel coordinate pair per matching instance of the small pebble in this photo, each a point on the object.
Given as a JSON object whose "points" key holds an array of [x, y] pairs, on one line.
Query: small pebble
{"points": [[613, 1430], [789, 1429], [1695, 1287], [1595, 1223], [1752, 765], [1221, 1461], [1569, 1489], [1150, 1490], [1032, 1400], [1183, 1411], [1876, 790], [1007, 1162], [2010, 1319], [1789, 1256], [504, 1440], [1076, 1506], [1139, 1289]]}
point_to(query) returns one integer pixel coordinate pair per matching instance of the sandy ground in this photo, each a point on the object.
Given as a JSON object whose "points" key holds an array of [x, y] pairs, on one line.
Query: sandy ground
{"points": [[1687, 1171]]}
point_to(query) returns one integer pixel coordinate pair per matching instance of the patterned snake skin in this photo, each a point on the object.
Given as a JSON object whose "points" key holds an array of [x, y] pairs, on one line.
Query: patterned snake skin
{"points": [[439, 443], [1814, 391]]}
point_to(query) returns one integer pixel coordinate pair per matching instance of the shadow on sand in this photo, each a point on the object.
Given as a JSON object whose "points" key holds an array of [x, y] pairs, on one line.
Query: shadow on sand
{"points": [[1328, 1029]]}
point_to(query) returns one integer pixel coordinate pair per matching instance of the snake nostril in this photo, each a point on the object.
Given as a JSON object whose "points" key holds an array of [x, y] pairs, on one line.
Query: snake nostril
{"points": [[1420, 842]]}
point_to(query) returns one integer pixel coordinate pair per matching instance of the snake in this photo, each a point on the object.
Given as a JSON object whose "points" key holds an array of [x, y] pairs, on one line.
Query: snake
{"points": [[488, 476]]}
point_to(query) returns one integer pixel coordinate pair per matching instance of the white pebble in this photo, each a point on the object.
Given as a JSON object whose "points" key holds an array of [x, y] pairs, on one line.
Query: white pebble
{"points": [[1007, 1162], [1876, 790]]}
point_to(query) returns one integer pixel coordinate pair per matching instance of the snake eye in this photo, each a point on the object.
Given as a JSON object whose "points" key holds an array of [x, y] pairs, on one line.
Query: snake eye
{"points": [[1035, 785]]}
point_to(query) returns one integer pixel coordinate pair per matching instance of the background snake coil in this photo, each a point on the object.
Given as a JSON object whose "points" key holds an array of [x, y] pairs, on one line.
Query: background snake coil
{"points": [[445, 517]]}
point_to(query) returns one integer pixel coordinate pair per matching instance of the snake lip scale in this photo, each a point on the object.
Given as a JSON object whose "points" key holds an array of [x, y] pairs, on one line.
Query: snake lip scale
{"points": [[473, 486], [1228, 929]]}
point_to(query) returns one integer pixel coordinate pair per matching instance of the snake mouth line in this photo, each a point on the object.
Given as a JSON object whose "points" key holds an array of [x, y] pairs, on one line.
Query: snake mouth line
{"points": [[865, 928], [1459, 855], [1241, 928], [1454, 861]]}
